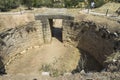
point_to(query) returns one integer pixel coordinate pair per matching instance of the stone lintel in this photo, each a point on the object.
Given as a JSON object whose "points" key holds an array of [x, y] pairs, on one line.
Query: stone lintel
{"points": [[68, 17]]}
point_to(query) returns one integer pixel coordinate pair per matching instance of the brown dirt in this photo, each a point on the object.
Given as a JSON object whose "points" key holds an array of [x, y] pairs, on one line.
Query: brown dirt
{"points": [[57, 54], [12, 20]]}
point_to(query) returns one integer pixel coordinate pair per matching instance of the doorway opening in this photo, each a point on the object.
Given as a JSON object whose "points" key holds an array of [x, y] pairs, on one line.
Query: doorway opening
{"points": [[56, 28]]}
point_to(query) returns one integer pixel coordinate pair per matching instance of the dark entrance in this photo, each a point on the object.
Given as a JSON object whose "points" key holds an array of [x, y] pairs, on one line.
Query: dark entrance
{"points": [[56, 28]]}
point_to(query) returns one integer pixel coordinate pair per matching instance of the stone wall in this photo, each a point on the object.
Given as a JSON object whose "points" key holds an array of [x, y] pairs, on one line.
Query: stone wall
{"points": [[46, 30], [86, 36], [67, 30], [18, 39], [47, 23], [15, 41]]}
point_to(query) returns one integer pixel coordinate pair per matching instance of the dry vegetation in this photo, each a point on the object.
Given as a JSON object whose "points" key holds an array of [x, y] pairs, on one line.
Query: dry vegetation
{"points": [[111, 6], [61, 63], [51, 57], [12, 20], [101, 20]]}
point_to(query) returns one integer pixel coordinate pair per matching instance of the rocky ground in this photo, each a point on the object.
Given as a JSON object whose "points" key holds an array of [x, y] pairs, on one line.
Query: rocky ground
{"points": [[57, 58], [78, 76], [53, 56]]}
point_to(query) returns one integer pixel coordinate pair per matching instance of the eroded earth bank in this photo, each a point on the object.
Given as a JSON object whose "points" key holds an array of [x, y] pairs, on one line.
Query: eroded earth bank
{"points": [[81, 48]]}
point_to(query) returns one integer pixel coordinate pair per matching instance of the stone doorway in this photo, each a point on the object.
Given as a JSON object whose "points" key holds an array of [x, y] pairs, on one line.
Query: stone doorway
{"points": [[56, 28]]}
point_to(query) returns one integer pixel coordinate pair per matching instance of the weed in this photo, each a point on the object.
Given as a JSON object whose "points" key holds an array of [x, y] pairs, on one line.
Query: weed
{"points": [[53, 72], [112, 57], [45, 68]]}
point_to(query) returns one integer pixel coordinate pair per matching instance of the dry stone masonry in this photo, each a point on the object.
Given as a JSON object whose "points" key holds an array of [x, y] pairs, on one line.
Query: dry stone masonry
{"points": [[67, 20], [85, 35], [15, 40]]}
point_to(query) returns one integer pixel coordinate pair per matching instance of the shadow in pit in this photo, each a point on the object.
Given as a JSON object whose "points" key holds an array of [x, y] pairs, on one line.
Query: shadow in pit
{"points": [[87, 63], [57, 33], [2, 67]]}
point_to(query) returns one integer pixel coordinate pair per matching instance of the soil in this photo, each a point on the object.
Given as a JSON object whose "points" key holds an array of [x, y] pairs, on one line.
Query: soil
{"points": [[56, 54], [8, 21]]}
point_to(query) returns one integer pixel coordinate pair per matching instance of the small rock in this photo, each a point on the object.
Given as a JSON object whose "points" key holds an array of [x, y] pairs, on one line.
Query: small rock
{"points": [[23, 52], [36, 46], [45, 73], [82, 72], [114, 60], [67, 74]]}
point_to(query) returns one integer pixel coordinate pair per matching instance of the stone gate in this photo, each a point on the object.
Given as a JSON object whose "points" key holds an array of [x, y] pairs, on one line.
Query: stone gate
{"points": [[47, 20]]}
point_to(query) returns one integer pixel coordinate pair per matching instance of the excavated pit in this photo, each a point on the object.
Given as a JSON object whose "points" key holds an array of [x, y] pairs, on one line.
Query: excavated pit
{"points": [[93, 42]]}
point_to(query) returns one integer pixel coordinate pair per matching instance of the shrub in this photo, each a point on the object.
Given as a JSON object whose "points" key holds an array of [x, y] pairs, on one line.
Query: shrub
{"points": [[53, 71], [46, 68], [6, 5], [99, 3]]}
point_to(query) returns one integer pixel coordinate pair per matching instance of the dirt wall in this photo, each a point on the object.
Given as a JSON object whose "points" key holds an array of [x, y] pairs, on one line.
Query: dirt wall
{"points": [[15, 41], [12, 20], [87, 35]]}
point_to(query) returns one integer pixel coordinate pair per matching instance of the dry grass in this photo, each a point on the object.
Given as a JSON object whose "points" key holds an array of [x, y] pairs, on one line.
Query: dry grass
{"points": [[101, 20], [111, 6], [113, 57], [74, 11], [11, 21]]}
